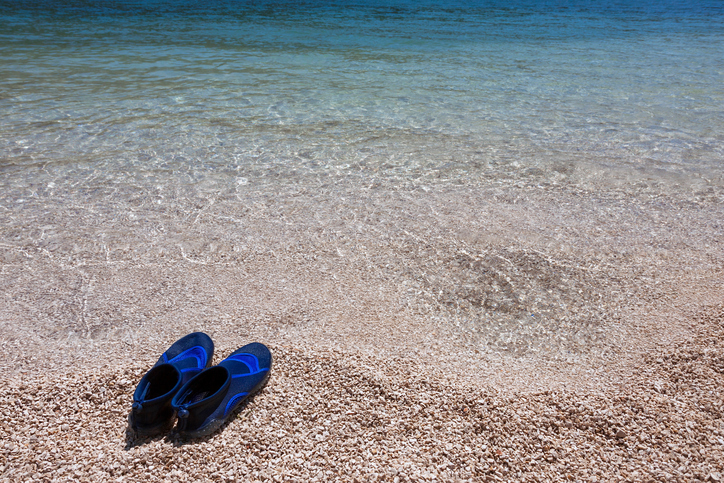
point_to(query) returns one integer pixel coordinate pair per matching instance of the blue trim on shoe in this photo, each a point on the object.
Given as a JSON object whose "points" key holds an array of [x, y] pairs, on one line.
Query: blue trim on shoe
{"points": [[194, 369], [251, 361], [249, 374], [233, 401], [196, 352]]}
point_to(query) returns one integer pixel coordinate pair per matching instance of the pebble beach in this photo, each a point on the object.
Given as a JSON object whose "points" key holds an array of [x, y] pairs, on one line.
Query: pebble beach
{"points": [[330, 416], [483, 240]]}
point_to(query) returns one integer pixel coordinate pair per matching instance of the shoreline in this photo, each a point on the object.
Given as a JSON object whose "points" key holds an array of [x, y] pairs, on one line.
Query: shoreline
{"points": [[450, 333]]}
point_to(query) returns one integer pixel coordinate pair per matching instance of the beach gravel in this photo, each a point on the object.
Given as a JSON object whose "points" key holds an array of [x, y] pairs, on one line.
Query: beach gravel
{"points": [[332, 416]]}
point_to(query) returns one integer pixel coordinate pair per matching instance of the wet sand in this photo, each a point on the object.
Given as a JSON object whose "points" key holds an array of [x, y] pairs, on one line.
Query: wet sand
{"points": [[420, 332]]}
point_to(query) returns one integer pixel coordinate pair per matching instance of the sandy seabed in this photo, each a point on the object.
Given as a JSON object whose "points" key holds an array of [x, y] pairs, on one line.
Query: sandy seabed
{"points": [[419, 333]]}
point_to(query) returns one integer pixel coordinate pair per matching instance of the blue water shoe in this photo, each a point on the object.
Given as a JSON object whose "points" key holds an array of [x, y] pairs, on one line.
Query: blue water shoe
{"points": [[206, 401], [151, 413]]}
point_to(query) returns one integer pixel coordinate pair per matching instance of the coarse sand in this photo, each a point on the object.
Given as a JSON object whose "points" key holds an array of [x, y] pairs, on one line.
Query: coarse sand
{"points": [[331, 416], [445, 334]]}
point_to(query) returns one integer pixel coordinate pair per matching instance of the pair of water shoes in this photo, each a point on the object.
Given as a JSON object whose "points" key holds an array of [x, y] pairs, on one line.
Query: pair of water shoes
{"points": [[182, 385]]}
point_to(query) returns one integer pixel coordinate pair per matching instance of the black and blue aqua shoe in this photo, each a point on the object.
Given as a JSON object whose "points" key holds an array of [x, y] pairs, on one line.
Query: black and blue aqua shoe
{"points": [[206, 401], [151, 413]]}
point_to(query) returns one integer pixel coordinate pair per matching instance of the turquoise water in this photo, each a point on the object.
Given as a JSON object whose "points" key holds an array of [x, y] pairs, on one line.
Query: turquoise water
{"points": [[274, 92]]}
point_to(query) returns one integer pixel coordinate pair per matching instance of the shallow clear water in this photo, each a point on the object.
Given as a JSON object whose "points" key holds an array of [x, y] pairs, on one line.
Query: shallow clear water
{"points": [[497, 176], [235, 91]]}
